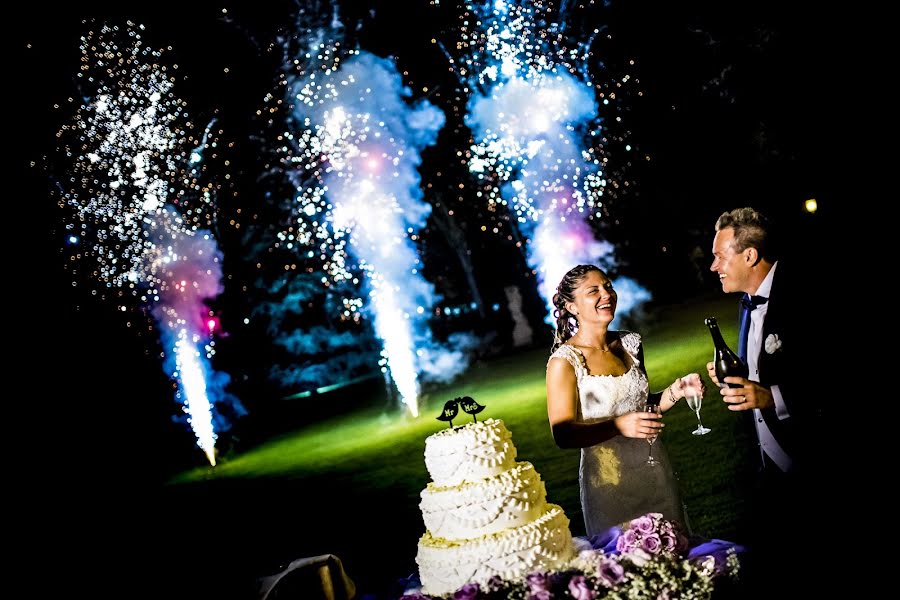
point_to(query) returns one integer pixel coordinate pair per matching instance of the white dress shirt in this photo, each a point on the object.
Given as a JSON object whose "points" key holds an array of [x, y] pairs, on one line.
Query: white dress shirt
{"points": [[767, 443]]}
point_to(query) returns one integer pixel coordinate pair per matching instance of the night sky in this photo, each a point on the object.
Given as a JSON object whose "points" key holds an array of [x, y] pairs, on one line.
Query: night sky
{"points": [[731, 114]]}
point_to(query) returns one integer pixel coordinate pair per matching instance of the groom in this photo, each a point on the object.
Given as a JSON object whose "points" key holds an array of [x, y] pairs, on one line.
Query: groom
{"points": [[774, 339], [778, 340]]}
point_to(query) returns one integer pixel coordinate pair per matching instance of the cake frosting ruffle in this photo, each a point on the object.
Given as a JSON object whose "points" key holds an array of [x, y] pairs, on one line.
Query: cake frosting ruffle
{"points": [[473, 509], [469, 453]]}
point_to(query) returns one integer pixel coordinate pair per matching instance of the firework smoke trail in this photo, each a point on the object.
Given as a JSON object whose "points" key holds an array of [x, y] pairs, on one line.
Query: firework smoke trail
{"points": [[357, 140], [535, 121], [132, 231]]}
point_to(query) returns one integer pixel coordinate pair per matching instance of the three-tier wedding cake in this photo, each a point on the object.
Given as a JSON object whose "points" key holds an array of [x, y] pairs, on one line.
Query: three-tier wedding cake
{"points": [[485, 514]]}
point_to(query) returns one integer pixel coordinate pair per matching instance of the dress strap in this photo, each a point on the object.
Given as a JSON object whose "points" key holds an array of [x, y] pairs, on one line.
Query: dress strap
{"points": [[575, 358], [631, 341]]}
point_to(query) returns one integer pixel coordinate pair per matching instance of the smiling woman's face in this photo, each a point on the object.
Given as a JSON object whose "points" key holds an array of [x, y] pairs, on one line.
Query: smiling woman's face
{"points": [[595, 299]]}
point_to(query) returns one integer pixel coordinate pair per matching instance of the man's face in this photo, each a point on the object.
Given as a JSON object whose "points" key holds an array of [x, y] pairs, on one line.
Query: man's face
{"points": [[732, 267]]}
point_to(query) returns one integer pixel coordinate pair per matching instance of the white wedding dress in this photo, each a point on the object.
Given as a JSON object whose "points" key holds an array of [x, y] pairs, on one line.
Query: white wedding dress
{"points": [[616, 483]]}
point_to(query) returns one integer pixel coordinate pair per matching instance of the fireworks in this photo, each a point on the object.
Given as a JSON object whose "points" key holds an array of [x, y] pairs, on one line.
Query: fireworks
{"points": [[139, 209], [355, 143], [537, 149]]}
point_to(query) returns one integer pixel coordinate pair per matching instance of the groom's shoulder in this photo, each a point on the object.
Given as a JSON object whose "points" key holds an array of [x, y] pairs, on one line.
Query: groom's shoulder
{"points": [[800, 272]]}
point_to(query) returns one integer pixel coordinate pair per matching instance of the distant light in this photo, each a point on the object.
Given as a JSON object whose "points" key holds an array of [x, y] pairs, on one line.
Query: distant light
{"points": [[496, 307], [811, 205], [246, 321], [73, 239]]}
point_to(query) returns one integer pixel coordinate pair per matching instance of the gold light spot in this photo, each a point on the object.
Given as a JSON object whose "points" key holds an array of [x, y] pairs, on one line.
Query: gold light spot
{"points": [[610, 468]]}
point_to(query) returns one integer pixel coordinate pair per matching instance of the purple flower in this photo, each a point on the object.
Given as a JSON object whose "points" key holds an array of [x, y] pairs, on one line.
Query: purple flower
{"points": [[651, 543], [644, 524], [467, 592], [668, 542], [537, 582], [581, 589], [611, 573], [627, 540], [541, 595]]}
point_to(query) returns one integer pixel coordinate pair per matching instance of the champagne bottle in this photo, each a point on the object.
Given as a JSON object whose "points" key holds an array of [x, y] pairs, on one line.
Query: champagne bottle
{"points": [[726, 362]]}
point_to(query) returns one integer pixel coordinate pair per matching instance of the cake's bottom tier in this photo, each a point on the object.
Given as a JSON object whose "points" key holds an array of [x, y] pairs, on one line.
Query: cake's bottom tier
{"points": [[542, 545]]}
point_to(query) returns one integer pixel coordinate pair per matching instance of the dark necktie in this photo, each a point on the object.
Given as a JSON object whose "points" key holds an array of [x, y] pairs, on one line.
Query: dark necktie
{"points": [[748, 305]]}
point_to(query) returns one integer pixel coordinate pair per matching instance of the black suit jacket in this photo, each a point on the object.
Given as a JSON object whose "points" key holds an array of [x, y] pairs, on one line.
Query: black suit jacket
{"points": [[793, 318]]}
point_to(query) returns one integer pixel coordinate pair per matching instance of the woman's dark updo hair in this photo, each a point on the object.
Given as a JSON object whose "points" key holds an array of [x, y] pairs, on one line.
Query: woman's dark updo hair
{"points": [[565, 292]]}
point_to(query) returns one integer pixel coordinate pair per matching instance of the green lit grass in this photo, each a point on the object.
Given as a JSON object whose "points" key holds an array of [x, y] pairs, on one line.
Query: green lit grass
{"points": [[337, 471]]}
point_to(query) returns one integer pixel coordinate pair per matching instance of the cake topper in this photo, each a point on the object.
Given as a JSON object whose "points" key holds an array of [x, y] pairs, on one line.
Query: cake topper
{"points": [[451, 409], [469, 406]]}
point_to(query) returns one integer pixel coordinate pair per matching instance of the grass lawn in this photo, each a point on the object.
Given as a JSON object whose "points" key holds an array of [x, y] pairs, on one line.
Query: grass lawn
{"points": [[350, 485]]}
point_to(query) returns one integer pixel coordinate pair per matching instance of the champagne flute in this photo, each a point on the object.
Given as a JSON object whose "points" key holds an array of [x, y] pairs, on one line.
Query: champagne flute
{"points": [[651, 408], [694, 397]]}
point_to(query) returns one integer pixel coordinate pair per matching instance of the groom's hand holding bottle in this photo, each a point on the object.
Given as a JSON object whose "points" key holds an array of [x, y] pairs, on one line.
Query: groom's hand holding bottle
{"points": [[748, 395]]}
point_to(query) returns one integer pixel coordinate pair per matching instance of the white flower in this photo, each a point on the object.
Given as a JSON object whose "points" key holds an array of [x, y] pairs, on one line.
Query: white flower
{"points": [[708, 565], [639, 557], [772, 343]]}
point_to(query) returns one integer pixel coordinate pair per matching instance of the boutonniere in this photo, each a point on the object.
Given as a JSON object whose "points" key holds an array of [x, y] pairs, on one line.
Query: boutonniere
{"points": [[772, 343]]}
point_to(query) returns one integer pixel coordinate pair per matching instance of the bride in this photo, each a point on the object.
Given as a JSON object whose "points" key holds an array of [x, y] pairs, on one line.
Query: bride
{"points": [[596, 392]]}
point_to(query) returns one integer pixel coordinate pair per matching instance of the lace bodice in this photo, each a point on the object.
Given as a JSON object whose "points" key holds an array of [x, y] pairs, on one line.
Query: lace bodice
{"points": [[603, 396]]}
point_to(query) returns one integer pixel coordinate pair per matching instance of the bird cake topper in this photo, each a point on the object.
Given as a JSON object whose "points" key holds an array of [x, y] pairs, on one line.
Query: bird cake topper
{"points": [[451, 409]]}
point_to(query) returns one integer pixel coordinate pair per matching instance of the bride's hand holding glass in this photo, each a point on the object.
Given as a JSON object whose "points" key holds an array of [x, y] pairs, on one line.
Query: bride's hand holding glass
{"points": [[639, 424]]}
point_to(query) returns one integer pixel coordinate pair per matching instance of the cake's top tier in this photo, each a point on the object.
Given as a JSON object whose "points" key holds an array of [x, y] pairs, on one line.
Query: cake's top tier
{"points": [[469, 453]]}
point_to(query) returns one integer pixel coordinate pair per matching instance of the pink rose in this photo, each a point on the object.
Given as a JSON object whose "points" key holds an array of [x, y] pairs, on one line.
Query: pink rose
{"points": [[580, 590], [627, 540], [668, 542], [644, 524], [467, 592], [537, 582], [651, 543], [610, 572]]}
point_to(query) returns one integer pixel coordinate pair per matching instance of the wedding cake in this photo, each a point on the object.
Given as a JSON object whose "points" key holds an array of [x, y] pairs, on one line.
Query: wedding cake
{"points": [[485, 514]]}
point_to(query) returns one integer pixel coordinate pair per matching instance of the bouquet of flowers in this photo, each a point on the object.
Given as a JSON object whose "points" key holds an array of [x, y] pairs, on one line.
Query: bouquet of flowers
{"points": [[650, 558], [652, 534]]}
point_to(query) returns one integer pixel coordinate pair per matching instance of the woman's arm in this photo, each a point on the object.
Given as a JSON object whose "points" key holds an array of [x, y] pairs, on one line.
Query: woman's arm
{"points": [[568, 432], [670, 395]]}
